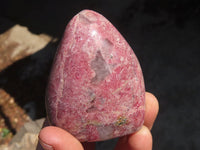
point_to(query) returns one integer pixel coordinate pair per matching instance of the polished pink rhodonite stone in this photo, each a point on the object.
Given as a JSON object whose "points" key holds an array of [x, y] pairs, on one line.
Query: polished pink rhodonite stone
{"points": [[96, 87]]}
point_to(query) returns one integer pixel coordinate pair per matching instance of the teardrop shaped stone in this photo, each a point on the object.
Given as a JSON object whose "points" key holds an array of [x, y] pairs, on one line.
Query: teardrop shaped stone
{"points": [[96, 88]]}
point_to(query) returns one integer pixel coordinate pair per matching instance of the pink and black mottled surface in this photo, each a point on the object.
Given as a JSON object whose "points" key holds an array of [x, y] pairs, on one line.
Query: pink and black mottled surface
{"points": [[96, 88]]}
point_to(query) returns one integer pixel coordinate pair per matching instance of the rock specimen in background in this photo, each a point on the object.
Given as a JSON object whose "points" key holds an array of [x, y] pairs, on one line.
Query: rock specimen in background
{"points": [[96, 88], [18, 42]]}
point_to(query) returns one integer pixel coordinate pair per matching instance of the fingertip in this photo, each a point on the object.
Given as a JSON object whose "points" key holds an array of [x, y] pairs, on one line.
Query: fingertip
{"points": [[54, 138], [152, 98], [152, 108], [141, 140]]}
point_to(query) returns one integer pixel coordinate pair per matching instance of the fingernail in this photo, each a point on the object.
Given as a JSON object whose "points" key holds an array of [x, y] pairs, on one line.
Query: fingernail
{"points": [[46, 146]]}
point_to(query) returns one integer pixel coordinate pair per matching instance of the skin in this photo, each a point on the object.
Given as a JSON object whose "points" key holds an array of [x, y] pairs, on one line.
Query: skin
{"points": [[54, 138]]}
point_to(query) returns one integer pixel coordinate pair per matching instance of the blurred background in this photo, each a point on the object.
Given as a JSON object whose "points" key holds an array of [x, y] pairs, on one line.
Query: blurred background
{"points": [[164, 34]]}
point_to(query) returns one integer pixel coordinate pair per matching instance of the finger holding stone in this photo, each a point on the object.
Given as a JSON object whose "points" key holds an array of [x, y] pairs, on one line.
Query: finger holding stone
{"points": [[152, 108]]}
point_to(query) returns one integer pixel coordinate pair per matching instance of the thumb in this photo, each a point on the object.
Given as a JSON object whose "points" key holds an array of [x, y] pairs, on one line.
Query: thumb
{"points": [[54, 138]]}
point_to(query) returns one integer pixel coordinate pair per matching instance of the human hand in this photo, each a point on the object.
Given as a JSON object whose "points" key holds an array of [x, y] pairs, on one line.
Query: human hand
{"points": [[54, 138]]}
